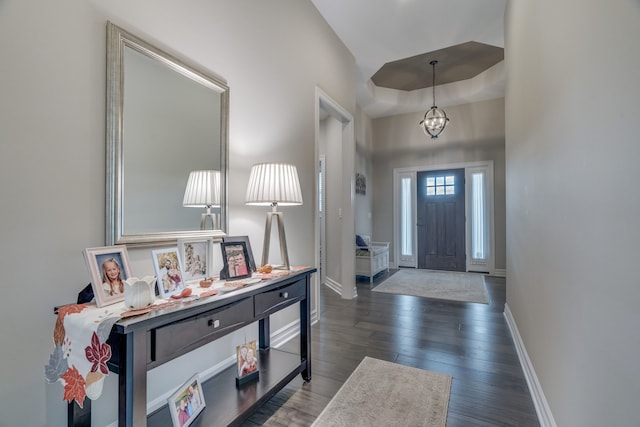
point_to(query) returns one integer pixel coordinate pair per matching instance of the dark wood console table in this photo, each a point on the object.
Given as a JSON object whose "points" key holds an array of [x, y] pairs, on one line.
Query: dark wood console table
{"points": [[145, 342]]}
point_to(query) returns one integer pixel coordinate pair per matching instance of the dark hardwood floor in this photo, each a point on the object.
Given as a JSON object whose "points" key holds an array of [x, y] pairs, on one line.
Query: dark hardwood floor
{"points": [[471, 342]]}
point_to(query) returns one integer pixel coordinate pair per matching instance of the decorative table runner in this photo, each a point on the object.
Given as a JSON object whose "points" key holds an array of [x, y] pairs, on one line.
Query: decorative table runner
{"points": [[79, 359], [80, 356]]}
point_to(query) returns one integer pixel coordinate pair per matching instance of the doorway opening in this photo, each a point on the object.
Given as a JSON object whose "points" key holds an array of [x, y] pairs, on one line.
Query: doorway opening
{"points": [[443, 217], [335, 189]]}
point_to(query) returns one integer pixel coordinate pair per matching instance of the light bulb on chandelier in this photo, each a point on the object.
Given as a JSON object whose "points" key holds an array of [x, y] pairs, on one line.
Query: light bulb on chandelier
{"points": [[435, 119]]}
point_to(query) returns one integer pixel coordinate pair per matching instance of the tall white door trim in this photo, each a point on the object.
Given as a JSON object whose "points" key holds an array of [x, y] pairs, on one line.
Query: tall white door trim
{"points": [[324, 104]]}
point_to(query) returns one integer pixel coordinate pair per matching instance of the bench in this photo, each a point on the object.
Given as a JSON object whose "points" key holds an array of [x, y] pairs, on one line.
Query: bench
{"points": [[371, 257]]}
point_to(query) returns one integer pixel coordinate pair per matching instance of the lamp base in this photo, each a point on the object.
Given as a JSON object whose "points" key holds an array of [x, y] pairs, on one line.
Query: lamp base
{"points": [[213, 216], [284, 254]]}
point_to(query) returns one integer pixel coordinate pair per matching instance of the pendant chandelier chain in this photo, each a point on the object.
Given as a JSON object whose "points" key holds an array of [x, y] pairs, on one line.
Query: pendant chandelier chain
{"points": [[433, 85]]}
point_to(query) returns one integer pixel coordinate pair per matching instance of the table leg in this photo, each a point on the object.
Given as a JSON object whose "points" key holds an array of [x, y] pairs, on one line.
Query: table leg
{"points": [[264, 329], [132, 379], [305, 330], [77, 416]]}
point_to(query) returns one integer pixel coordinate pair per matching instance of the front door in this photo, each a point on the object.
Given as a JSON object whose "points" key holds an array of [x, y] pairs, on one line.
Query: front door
{"points": [[441, 220]]}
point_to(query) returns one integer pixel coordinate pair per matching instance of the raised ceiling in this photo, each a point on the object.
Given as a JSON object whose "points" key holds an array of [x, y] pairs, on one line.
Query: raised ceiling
{"points": [[379, 32], [460, 62]]}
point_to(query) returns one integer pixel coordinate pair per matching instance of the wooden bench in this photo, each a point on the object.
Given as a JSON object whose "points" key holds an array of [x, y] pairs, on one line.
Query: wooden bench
{"points": [[372, 258]]}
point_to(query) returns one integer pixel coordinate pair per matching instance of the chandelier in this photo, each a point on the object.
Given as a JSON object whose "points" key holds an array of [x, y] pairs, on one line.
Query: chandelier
{"points": [[435, 119]]}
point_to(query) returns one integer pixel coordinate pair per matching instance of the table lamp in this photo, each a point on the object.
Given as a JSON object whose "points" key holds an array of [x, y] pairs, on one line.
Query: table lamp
{"points": [[274, 184], [203, 191]]}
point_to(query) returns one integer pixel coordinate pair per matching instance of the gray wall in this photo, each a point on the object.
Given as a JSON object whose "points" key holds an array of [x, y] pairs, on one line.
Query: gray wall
{"points": [[52, 154], [572, 151], [475, 133]]}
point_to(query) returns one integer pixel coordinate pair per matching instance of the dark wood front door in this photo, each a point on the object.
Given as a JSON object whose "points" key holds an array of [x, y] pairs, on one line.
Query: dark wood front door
{"points": [[441, 220]]}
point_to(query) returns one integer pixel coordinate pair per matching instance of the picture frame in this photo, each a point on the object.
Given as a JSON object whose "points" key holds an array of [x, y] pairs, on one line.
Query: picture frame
{"points": [[245, 239], [361, 184], [196, 255], [186, 403], [169, 271], [247, 362], [108, 267], [235, 259]]}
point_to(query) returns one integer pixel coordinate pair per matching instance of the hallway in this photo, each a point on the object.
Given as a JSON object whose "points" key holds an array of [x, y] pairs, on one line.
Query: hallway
{"points": [[469, 341]]}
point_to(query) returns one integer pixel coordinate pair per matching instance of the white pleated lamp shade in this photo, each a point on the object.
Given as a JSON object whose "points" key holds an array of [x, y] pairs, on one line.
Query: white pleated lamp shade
{"points": [[273, 183], [203, 189]]}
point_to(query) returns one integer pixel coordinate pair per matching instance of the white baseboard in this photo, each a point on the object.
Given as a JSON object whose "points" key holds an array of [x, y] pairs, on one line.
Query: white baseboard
{"points": [[500, 272], [545, 417], [333, 285]]}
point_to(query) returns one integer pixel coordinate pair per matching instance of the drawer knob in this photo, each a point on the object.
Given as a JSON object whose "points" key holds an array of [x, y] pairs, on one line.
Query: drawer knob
{"points": [[214, 323], [284, 294]]}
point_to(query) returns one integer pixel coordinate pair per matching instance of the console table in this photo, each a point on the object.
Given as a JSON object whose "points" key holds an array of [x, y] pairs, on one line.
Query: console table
{"points": [[145, 342]]}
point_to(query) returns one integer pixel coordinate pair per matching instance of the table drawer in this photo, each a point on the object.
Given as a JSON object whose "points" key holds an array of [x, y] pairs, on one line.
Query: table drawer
{"points": [[279, 298], [185, 335]]}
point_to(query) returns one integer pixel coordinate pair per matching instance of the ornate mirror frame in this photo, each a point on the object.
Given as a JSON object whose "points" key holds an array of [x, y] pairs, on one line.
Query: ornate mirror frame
{"points": [[118, 40]]}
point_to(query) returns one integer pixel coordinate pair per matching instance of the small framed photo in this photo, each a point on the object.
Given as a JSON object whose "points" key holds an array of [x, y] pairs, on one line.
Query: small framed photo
{"points": [[245, 239], [187, 402], [247, 362], [235, 259], [109, 268], [169, 271], [196, 255], [361, 184]]}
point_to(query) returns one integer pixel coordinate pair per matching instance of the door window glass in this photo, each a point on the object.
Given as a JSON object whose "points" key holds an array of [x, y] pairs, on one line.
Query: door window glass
{"points": [[441, 185]]}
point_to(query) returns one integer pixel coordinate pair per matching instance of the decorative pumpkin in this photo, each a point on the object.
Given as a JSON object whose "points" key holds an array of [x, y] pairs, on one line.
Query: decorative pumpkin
{"points": [[139, 293], [206, 283]]}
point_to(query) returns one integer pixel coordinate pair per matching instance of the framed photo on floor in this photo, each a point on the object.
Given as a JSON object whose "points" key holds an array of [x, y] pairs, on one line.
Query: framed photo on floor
{"points": [[109, 268], [187, 402]]}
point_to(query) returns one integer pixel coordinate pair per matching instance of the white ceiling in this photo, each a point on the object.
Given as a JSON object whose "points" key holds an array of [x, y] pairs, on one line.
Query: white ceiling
{"points": [[381, 31]]}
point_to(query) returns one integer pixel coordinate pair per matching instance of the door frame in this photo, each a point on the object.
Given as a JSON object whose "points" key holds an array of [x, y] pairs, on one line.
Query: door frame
{"points": [[346, 283], [321, 213], [468, 167]]}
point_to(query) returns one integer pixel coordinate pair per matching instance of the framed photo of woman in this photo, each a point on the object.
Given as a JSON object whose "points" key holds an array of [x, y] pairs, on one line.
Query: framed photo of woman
{"points": [[236, 260], [109, 268], [245, 239], [169, 271]]}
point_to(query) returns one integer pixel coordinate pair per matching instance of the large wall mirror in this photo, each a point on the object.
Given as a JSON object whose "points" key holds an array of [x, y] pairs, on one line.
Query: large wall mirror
{"points": [[164, 120]]}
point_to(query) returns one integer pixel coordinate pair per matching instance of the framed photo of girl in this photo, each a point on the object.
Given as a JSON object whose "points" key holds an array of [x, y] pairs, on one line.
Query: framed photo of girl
{"points": [[169, 272], [236, 260], [247, 362], [109, 268], [187, 402], [196, 255]]}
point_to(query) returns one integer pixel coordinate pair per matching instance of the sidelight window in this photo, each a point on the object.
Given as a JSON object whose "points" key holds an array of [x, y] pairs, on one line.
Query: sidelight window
{"points": [[406, 222]]}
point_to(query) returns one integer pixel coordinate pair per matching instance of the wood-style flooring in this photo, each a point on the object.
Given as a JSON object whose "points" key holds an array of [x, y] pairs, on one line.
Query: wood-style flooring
{"points": [[468, 341]]}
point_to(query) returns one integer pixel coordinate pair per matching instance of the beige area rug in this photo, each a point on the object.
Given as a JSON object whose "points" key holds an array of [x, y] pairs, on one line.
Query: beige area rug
{"points": [[380, 393], [448, 285]]}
